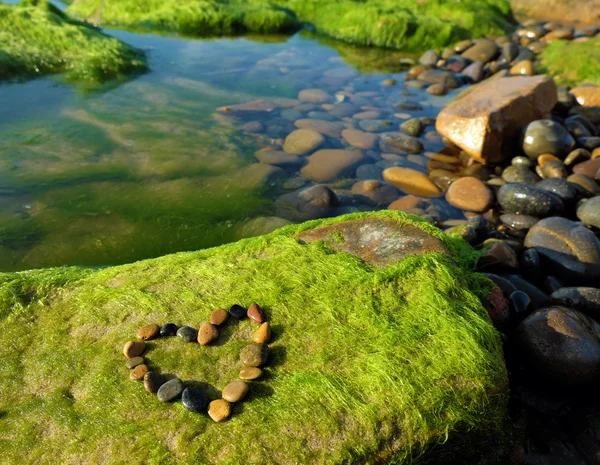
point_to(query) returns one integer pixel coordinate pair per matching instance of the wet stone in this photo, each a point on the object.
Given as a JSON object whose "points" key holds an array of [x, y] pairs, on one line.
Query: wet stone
{"points": [[470, 194], [520, 174], [519, 306], [219, 410], [218, 316], [133, 349], [589, 212], [587, 186], [302, 141], [498, 257], [235, 391], [170, 329], [411, 181], [187, 334], [330, 164], [528, 200], [314, 96], [377, 125], [521, 161], [135, 361], [153, 381], [250, 373], [207, 334], [437, 89], [138, 372], [519, 224], [413, 127], [547, 136], [262, 334], [531, 265], [587, 168], [279, 158], [359, 139], [255, 313], [483, 50], [408, 105], [554, 169], [560, 187], [194, 399], [254, 355], [439, 76], [148, 332], [537, 296], [237, 311], [429, 58], [253, 127], [400, 143], [170, 390], [552, 284]]}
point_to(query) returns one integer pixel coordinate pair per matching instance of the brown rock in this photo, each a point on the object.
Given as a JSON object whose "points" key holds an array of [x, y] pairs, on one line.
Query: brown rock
{"points": [[326, 165], [251, 373], [262, 334], [500, 256], [487, 123], [219, 316], [135, 361], [255, 314], [219, 410], [148, 332], [587, 96], [207, 334], [153, 381], [407, 202], [522, 68], [559, 34], [302, 141], [411, 181], [262, 106], [587, 168], [470, 194], [133, 349], [359, 139], [314, 96], [138, 372], [254, 355], [236, 391], [373, 192]]}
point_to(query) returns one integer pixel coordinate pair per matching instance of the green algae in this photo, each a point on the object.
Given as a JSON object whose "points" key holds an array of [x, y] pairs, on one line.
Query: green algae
{"points": [[367, 365], [399, 24], [38, 39], [571, 62]]}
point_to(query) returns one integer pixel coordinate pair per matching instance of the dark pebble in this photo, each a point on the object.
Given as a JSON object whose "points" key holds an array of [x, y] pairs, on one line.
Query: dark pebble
{"points": [[589, 212], [547, 136], [564, 189], [170, 329], [521, 174], [584, 299], [171, 390], [194, 399], [505, 285], [552, 284], [518, 224], [531, 265], [528, 200], [537, 296], [187, 333], [237, 311], [153, 381], [519, 306]]}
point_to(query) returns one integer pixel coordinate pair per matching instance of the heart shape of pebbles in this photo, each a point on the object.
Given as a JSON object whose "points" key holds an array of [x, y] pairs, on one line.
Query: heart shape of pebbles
{"points": [[252, 358]]}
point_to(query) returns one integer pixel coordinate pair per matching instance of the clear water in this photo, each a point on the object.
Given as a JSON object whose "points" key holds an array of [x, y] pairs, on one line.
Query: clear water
{"points": [[148, 167]]}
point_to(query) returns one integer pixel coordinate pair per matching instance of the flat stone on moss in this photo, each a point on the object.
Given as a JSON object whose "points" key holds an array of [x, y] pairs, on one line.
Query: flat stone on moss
{"points": [[254, 355]]}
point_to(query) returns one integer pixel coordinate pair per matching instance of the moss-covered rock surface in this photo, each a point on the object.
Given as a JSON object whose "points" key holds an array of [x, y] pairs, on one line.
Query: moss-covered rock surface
{"points": [[573, 62], [406, 24], [373, 360], [38, 39]]}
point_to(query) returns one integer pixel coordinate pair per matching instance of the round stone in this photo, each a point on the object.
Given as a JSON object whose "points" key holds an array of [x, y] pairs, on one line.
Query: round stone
{"points": [[187, 333], [219, 316], [219, 410], [359, 139], [438, 89], [560, 345], [262, 334], [521, 161], [397, 142], [411, 181], [250, 373], [413, 127], [138, 372], [528, 200], [520, 174], [583, 299], [563, 189], [254, 355], [194, 399], [546, 136], [373, 192], [554, 169], [133, 348], [148, 332], [255, 314], [135, 361], [207, 334], [389, 82], [170, 390], [588, 186], [518, 224], [470, 194], [587, 168], [519, 305], [236, 391], [170, 329], [302, 141], [237, 311], [314, 96], [153, 381], [589, 212]]}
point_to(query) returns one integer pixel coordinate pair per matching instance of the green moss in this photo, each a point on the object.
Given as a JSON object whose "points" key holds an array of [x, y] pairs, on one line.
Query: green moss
{"points": [[367, 365], [37, 39], [401, 24], [572, 62]]}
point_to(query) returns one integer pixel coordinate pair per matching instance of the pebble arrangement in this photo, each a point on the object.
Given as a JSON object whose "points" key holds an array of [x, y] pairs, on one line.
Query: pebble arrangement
{"points": [[252, 357]]}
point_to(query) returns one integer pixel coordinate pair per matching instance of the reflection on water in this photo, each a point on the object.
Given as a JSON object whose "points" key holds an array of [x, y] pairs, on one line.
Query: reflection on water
{"points": [[148, 167]]}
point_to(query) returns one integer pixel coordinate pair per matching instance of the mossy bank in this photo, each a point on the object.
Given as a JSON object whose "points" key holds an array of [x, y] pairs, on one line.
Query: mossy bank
{"points": [[369, 364], [37, 39], [573, 63], [403, 24]]}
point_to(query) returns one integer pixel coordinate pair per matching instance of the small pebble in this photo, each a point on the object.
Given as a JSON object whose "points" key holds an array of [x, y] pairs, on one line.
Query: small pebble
{"points": [[250, 373], [254, 355], [148, 332], [235, 391], [153, 381], [170, 329], [170, 390], [237, 311], [219, 316], [133, 362], [133, 349], [519, 305], [187, 333], [262, 334], [194, 399], [255, 314], [207, 334], [219, 410], [138, 372]]}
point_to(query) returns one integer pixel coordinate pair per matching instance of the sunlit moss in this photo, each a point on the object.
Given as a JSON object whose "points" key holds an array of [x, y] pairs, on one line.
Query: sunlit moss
{"points": [[573, 62], [366, 364]]}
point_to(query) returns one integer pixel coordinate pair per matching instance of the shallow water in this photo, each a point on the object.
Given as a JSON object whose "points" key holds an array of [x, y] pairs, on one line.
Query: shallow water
{"points": [[148, 167]]}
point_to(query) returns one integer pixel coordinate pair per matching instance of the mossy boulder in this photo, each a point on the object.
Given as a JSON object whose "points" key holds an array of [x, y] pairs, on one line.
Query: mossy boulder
{"points": [[378, 357], [37, 39], [405, 24], [573, 62]]}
